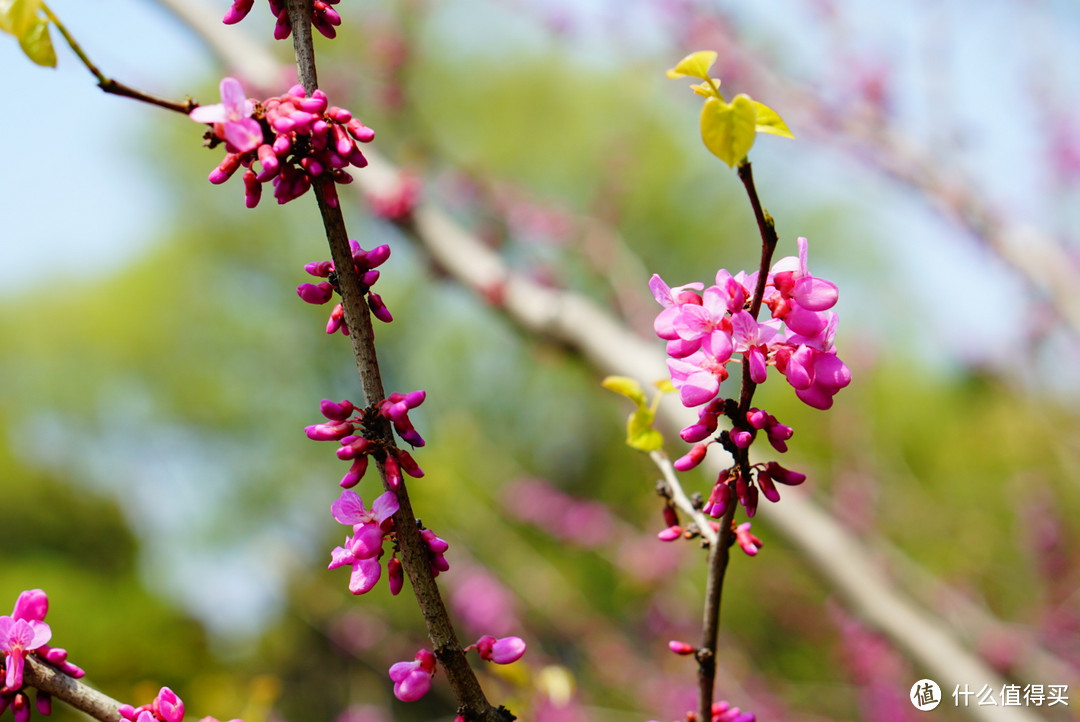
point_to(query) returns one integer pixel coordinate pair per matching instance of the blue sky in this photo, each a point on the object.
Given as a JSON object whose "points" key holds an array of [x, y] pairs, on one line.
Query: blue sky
{"points": [[71, 179]]}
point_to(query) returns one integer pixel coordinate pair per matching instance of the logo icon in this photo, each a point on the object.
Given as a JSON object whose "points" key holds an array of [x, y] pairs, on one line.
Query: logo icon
{"points": [[925, 695]]}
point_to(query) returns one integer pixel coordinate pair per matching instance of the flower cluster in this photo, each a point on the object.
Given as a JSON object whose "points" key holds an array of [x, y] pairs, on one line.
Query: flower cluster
{"points": [[365, 263], [364, 432], [364, 548], [294, 138], [323, 17], [749, 543], [705, 327], [22, 633], [166, 707], [412, 680]]}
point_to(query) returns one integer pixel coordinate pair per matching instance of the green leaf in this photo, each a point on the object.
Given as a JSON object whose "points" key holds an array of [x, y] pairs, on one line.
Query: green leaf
{"points": [[17, 16], [38, 45], [694, 65], [625, 387], [640, 434], [768, 121], [729, 130]]}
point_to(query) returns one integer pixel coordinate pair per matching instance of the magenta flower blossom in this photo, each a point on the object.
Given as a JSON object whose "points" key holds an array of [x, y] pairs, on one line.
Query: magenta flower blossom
{"points": [[683, 649], [363, 549], [231, 118], [323, 17], [699, 375], [412, 680], [346, 428], [32, 606], [437, 548], [294, 138], [747, 541], [349, 509], [19, 637], [166, 707], [705, 327], [365, 263], [500, 651], [365, 571]]}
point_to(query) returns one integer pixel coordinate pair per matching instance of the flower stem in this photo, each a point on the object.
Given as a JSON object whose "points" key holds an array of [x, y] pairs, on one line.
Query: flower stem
{"points": [[416, 561], [719, 553]]}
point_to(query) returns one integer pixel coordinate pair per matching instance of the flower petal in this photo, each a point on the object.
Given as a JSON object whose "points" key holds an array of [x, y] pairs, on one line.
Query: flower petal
{"points": [[233, 97], [244, 134], [349, 508], [209, 114]]}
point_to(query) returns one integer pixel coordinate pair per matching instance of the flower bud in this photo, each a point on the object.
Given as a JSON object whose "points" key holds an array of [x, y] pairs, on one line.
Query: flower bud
{"points": [[681, 648], [500, 651]]}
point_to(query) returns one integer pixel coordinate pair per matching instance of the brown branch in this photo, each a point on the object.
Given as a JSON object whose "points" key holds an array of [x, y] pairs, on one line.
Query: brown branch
{"points": [[112, 86], [720, 553], [69, 690], [415, 557]]}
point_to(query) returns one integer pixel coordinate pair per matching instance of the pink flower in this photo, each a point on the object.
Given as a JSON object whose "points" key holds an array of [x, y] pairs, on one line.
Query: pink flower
{"points": [[166, 707], [752, 340], [364, 262], [349, 508], [323, 17], [681, 648], [294, 138], [747, 541], [412, 680], [437, 547], [500, 651], [231, 117], [19, 637], [363, 549], [32, 606], [699, 375], [365, 570]]}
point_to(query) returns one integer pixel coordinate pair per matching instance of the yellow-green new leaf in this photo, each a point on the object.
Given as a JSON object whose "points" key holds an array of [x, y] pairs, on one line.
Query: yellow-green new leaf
{"points": [[665, 386], [17, 16], [38, 45], [625, 387], [694, 65], [640, 434], [768, 121], [728, 130], [707, 89]]}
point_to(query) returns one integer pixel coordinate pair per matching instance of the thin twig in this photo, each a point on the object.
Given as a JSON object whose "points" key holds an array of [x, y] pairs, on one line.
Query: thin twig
{"points": [[663, 463], [109, 85]]}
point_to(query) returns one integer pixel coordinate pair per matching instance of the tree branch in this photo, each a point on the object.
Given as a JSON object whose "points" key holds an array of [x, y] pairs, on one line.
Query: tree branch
{"points": [[415, 558], [69, 690]]}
